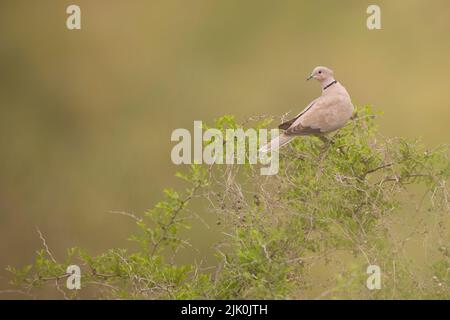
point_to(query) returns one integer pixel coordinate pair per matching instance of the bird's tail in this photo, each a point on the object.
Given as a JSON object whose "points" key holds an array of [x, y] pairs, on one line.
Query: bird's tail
{"points": [[276, 143]]}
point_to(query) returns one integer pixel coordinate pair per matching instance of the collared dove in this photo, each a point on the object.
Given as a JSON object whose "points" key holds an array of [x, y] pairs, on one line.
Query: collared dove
{"points": [[325, 114]]}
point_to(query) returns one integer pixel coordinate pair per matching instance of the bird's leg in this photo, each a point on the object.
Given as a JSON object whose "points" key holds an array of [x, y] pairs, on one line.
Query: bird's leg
{"points": [[325, 139], [330, 142], [327, 142]]}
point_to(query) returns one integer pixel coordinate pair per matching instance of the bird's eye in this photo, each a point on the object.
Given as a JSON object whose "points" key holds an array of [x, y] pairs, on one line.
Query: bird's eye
{"points": [[320, 71]]}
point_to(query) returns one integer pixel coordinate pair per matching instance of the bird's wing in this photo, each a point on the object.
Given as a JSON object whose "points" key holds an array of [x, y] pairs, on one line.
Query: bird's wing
{"points": [[316, 119], [287, 124]]}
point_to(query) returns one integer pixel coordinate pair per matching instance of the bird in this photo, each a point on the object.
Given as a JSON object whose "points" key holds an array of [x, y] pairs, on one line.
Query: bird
{"points": [[323, 115]]}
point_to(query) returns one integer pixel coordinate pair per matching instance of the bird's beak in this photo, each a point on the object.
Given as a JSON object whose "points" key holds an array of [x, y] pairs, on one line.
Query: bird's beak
{"points": [[309, 78]]}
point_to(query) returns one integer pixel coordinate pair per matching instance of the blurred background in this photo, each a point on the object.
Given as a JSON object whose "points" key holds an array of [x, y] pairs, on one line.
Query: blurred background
{"points": [[86, 115]]}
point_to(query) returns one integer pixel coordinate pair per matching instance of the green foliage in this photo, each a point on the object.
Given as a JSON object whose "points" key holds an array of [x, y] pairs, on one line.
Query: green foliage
{"points": [[332, 204]]}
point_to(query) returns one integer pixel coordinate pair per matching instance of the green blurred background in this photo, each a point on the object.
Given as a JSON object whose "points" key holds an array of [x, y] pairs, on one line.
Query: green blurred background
{"points": [[86, 116]]}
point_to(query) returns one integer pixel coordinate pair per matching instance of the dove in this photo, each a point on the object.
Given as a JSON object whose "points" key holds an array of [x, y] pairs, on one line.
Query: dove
{"points": [[323, 115]]}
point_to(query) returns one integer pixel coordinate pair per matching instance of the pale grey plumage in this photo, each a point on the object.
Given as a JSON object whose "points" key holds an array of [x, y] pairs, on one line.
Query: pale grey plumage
{"points": [[323, 115]]}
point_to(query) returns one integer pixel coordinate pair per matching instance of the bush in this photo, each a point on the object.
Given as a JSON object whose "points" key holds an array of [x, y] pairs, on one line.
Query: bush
{"points": [[335, 203]]}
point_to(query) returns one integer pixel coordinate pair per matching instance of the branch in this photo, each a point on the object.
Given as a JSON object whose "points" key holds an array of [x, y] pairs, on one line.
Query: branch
{"points": [[44, 243]]}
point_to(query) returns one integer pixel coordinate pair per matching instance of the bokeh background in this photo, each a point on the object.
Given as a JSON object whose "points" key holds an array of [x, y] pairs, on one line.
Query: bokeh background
{"points": [[86, 115]]}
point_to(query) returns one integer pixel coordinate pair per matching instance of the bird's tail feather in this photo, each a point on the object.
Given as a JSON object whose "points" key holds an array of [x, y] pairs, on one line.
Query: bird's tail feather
{"points": [[276, 143]]}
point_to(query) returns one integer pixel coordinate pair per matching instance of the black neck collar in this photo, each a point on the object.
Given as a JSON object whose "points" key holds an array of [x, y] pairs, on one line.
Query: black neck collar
{"points": [[329, 85]]}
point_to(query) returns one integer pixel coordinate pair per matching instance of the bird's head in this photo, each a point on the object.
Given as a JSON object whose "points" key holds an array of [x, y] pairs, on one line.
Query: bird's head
{"points": [[321, 74]]}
